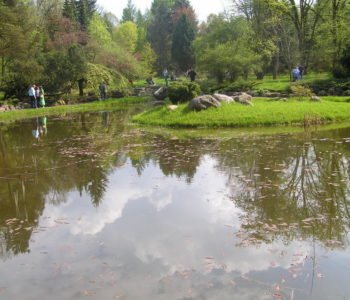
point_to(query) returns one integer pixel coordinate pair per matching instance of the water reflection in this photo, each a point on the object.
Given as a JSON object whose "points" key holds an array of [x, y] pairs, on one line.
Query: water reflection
{"points": [[260, 217]]}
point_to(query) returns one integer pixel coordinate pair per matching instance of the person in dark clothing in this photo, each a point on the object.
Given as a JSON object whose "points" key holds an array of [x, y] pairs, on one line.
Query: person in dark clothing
{"points": [[301, 72], [103, 91], [192, 74], [149, 80]]}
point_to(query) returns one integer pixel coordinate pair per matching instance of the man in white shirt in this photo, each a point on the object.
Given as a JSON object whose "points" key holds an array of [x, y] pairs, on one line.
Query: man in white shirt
{"points": [[32, 96]]}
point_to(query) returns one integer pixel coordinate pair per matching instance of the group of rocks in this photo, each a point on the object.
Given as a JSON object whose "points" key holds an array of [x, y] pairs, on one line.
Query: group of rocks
{"points": [[205, 101]]}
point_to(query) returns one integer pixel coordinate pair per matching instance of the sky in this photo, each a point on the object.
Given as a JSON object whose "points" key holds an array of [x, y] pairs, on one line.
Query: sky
{"points": [[203, 8]]}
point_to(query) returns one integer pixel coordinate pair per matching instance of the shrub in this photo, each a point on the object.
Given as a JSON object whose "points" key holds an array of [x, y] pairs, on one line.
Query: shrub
{"points": [[183, 91], [239, 86], [301, 91]]}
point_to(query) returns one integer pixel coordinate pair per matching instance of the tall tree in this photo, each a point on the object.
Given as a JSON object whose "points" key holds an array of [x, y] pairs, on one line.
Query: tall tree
{"points": [[306, 16], [159, 32], [70, 10], [129, 12], [182, 51]]}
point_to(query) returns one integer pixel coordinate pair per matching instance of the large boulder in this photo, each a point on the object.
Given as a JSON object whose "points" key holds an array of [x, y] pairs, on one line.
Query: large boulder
{"points": [[223, 98], [161, 93], [244, 99], [203, 102]]}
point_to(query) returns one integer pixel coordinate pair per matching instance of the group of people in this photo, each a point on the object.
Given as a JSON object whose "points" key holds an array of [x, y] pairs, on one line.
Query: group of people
{"points": [[36, 96], [191, 73], [297, 73]]}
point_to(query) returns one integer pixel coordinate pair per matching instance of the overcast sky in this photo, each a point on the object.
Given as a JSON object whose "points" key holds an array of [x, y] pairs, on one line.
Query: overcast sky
{"points": [[203, 8]]}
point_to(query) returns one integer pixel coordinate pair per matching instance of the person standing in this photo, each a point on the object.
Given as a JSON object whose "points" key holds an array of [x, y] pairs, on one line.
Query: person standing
{"points": [[103, 91], [192, 74], [32, 96], [166, 76], [41, 101], [295, 74], [301, 71]]}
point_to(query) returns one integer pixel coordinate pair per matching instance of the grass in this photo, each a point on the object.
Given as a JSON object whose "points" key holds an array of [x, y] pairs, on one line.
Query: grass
{"points": [[9, 116], [264, 113], [282, 83]]}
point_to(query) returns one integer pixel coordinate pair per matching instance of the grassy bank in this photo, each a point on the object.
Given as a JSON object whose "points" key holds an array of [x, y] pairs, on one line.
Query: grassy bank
{"points": [[84, 107], [265, 112], [283, 83]]}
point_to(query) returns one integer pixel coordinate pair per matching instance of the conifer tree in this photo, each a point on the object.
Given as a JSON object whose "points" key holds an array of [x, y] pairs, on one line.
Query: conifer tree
{"points": [[182, 51], [129, 12]]}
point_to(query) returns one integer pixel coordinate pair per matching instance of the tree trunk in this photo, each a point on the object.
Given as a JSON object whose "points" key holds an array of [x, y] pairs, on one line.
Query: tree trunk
{"points": [[276, 66], [81, 83]]}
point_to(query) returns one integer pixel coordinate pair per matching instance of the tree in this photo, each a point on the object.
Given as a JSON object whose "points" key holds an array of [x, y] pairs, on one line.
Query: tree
{"points": [[305, 16], [126, 35], [159, 32], [98, 31], [129, 12], [224, 49], [70, 10], [182, 51]]}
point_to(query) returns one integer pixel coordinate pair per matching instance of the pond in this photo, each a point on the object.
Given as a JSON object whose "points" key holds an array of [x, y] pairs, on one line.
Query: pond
{"points": [[92, 207]]}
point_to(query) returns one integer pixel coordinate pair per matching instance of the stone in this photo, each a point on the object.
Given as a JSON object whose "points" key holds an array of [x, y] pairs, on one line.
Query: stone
{"points": [[161, 93], [26, 105], [272, 95], [244, 99], [117, 94], [172, 107], [223, 98], [158, 103], [315, 99], [203, 102], [59, 102]]}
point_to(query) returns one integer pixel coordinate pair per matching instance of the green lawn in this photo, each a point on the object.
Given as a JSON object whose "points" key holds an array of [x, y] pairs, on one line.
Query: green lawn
{"points": [[265, 112], [283, 82], [56, 110]]}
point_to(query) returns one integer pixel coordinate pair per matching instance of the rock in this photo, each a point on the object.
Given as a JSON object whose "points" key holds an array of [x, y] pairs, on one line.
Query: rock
{"points": [[223, 98], [315, 99], [26, 105], [244, 99], [172, 107], [59, 102], [139, 91], [283, 99], [117, 94], [272, 95], [203, 102], [161, 93], [158, 103], [2, 109]]}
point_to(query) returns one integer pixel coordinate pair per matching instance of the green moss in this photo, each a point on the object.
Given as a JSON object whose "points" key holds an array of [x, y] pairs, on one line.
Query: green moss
{"points": [[264, 113]]}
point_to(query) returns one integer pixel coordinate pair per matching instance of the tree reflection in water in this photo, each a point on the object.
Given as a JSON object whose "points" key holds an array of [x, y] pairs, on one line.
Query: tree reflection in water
{"points": [[288, 186]]}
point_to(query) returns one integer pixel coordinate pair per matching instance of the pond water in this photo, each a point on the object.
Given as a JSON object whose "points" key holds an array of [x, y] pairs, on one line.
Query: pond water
{"points": [[93, 207]]}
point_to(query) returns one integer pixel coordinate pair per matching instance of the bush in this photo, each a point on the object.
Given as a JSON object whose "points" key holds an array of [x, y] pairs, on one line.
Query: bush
{"points": [[301, 91], [239, 86], [183, 91]]}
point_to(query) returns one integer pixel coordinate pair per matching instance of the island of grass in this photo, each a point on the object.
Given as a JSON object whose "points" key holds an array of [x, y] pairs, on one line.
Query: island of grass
{"points": [[265, 112]]}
